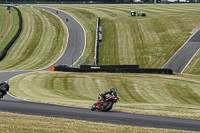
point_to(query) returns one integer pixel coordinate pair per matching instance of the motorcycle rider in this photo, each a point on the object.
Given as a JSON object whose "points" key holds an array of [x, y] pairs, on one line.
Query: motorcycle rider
{"points": [[111, 92], [4, 88]]}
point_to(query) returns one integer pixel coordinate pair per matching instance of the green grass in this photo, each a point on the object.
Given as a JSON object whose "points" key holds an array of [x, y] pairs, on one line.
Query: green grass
{"points": [[193, 67], [147, 41], [88, 21], [41, 42], [5, 20], [165, 95], [17, 123], [8, 33]]}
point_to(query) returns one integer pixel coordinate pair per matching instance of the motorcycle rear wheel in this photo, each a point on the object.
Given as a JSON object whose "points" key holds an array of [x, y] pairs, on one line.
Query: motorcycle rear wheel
{"points": [[108, 107]]}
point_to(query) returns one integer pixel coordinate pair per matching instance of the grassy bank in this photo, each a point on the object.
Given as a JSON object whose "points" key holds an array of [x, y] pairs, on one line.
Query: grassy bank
{"points": [[165, 95], [15, 123], [41, 42], [193, 67], [88, 20], [9, 26], [147, 41], [5, 20]]}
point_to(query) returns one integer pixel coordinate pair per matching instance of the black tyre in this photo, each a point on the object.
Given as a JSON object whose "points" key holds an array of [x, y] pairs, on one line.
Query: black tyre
{"points": [[108, 106], [93, 108], [1, 95]]}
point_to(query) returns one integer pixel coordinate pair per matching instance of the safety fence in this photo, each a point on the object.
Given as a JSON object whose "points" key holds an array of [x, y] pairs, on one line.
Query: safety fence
{"points": [[96, 55], [9, 45], [112, 69]]}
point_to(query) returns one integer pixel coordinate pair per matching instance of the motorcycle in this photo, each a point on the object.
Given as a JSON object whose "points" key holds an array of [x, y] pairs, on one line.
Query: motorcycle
{"points": [[4, 87], [106, 105]]}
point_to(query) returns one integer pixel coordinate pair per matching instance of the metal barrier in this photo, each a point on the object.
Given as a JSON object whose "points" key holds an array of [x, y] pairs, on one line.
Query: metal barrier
{"points": [[96, 55]]}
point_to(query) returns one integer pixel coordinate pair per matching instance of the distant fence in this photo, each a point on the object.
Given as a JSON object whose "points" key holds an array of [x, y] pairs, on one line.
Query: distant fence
{"points": [[96, 55], [9, 45], [112, 69]]}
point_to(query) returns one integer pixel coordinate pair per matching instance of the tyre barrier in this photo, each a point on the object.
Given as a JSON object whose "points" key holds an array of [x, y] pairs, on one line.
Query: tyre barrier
{"points": [[4, 52], [111, 69], [108, 66]]}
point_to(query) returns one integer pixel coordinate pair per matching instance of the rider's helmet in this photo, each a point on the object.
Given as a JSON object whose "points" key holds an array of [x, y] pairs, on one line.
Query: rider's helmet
{"points": [[112, 89], [114, 93], [5, 86]]}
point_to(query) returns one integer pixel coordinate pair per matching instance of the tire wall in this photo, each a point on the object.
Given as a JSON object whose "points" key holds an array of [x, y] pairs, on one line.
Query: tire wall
{"points": [[113, 69], [9, 45]]}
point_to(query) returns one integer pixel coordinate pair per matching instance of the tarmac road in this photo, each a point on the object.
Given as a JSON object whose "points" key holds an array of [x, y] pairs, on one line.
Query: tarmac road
{"points": [[76, 38], [184, 55], [51, 110], [11, 104]]}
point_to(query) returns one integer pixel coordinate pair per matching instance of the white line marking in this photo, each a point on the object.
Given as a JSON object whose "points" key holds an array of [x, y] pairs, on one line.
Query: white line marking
{"points": [[180, 48], [190, 60], [26, 71]]}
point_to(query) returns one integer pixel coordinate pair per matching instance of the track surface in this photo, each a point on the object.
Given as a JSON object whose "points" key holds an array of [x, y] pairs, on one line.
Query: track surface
{"points": [[184, 55], [15, 105]]}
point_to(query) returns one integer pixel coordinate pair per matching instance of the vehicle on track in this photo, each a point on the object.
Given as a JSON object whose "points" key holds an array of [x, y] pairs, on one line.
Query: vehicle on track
{"points": [[105, 102], [4, 88]]}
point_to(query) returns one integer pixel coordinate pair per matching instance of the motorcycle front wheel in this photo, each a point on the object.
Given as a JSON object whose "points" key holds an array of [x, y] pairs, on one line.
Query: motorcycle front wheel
{"points": [[93, 108], [108, 106]]}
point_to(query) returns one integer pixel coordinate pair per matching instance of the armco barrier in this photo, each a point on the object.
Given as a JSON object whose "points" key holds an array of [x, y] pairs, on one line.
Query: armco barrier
{"points": [[112, 70], [108, 66], [3, 54]]}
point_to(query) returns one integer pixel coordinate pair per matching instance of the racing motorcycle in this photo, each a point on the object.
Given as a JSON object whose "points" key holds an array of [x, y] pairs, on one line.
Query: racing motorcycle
{"points": [[106, 105], [4, 88]]}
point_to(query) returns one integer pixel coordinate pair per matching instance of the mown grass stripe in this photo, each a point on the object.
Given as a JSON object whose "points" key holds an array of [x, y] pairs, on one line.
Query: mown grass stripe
{"points": [[29, 123], [134, 96], [13, 30], [38, 46], [160, 33], [4, 22], [184, 94], [138, 93], [34, 42]]}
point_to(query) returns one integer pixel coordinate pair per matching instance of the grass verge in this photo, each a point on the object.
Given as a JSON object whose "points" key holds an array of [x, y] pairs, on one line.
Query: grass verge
{"points": [[165, 95], [15, 123], [41, 42], [4, 22], [193, 67], [147, 41]]}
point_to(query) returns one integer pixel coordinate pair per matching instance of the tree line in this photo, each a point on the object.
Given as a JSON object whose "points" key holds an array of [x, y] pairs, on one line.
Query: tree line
{"points": [[87, 1]]}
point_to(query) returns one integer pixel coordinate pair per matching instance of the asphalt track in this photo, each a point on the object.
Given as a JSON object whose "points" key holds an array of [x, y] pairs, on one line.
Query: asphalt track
{"points": [[179, 61], [15, 105]]}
